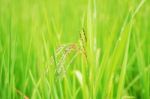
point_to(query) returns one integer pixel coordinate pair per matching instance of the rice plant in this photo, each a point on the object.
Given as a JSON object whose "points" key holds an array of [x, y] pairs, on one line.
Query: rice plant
{"points": [[74, 49]]}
